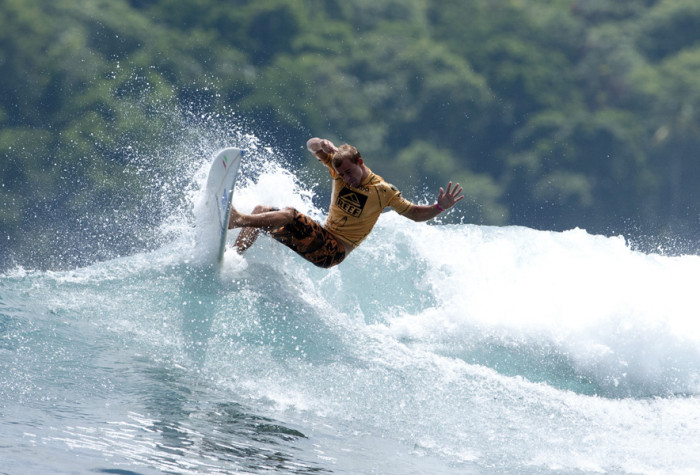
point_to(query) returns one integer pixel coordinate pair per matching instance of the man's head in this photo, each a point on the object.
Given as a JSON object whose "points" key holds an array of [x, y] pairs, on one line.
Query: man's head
{"points": [[349, 165], [346, 151]]}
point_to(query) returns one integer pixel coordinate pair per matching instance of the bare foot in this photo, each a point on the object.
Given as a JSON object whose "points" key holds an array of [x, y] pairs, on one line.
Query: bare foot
{"points": [[234, 219]]}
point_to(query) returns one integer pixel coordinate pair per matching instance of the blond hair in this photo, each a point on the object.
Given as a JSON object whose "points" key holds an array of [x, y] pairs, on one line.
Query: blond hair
{"points": [[345, 151]]}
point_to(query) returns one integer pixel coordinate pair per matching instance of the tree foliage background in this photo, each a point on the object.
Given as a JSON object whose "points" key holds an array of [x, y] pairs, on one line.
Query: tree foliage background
{"points": [[552, 113]]}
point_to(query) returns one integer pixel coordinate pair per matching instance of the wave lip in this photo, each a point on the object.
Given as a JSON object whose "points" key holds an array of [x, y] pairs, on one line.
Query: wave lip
{"points": [[578, 311]]}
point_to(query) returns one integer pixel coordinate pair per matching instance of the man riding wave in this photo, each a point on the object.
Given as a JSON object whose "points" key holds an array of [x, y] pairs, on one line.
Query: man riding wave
{"points": [[358, 198]]}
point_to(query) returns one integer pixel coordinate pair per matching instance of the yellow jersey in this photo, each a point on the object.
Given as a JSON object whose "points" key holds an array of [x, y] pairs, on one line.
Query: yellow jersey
{"points": [[354, 211]]}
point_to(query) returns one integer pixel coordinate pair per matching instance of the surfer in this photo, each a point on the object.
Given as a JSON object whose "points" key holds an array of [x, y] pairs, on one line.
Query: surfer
{"points": [[357, 199]]}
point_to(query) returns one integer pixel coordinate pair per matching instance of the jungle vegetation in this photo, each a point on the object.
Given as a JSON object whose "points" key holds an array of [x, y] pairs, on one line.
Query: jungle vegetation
{"points": [[553, 114]]}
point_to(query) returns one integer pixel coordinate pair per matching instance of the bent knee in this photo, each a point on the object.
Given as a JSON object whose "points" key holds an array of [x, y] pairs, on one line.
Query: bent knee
{"points": [[289, 213]]}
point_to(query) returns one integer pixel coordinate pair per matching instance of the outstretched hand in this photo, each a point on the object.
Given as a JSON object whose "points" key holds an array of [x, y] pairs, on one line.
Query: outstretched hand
{"points": [[447, 199]]}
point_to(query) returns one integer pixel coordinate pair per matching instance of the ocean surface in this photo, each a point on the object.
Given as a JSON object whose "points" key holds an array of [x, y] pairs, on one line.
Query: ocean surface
{"points": [[433, 349]]}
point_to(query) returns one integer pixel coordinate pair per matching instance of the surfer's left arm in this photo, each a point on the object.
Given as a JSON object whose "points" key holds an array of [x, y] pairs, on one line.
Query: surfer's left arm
{"points": [[446, 199]]}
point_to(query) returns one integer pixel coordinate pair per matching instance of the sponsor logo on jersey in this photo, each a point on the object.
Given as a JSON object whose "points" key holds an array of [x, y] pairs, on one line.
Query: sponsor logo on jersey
{"points": [[351, 202]]}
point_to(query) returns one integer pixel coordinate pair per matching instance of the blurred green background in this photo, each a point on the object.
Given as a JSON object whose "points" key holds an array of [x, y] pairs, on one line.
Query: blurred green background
{"points": [[553, 114]]}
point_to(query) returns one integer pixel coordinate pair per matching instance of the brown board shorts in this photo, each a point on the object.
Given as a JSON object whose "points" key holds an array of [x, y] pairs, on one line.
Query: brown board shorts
{"points": [[311, 241]]}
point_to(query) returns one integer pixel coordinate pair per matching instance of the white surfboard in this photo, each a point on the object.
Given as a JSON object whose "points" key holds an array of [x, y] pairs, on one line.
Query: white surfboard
{"points": [[219, 192]]}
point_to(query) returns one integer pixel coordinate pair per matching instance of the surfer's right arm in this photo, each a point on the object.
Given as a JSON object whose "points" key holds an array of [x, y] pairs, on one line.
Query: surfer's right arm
{"points": [[322, 148]]}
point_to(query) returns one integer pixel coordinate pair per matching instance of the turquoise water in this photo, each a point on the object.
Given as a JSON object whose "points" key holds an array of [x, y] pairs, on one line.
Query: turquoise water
{"points": [[431, 349]]}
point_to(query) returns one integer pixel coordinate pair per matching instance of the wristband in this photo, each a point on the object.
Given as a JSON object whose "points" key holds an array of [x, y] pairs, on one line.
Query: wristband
{"points": [[438, 207]]}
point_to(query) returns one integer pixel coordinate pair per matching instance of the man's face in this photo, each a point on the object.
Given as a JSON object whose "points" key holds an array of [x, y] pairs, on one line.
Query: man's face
{"points": [[351, 173]]}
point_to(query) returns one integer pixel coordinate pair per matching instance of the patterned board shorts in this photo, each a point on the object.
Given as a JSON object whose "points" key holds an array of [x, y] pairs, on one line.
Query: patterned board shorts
{"points": [[311, 241]]}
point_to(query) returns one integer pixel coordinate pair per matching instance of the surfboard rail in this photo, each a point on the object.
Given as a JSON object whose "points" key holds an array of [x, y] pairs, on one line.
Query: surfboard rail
{"points": [[221, 182]]}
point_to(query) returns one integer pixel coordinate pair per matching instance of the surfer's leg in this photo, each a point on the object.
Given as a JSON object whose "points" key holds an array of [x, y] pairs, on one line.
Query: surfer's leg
{"points": [[261, 218], [311, 241], [265, 217], [245, 239]]}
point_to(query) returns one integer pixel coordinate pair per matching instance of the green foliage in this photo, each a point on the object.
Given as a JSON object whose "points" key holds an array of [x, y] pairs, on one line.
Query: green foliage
{"points": [[669, 27], [551, 113]]}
